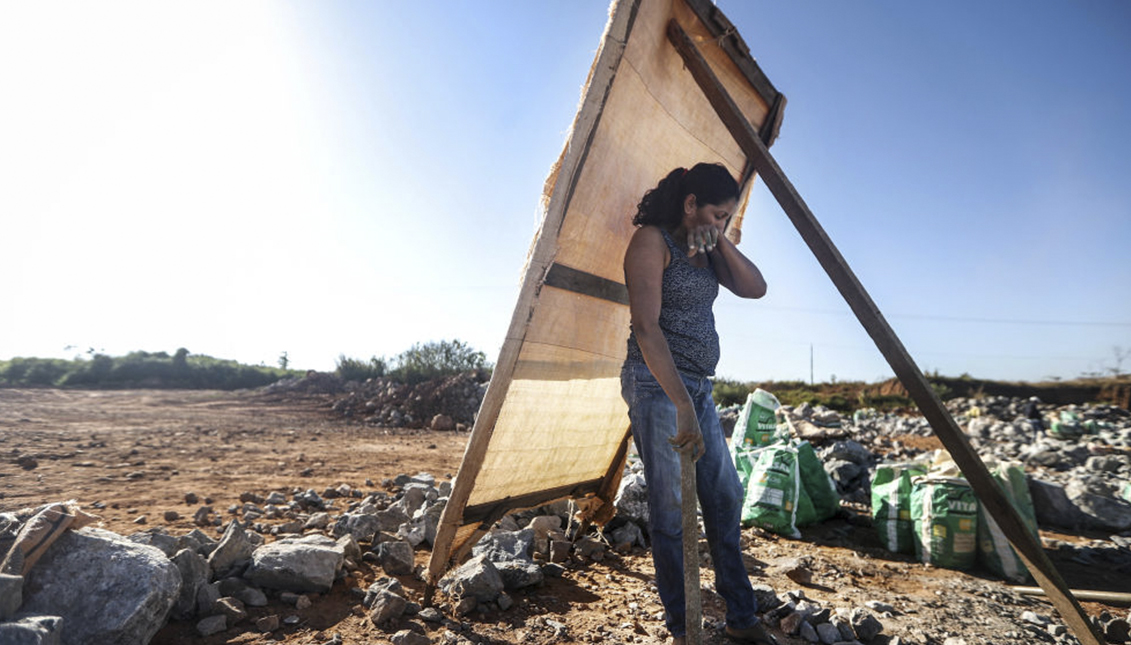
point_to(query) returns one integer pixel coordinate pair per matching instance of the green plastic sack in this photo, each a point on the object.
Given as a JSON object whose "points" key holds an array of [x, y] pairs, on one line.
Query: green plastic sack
{"points": [[891, 506], [944, 516], [994, 551], [773, 489], [1069, 425], [817, 486], [757, 424], [1126, 492]]}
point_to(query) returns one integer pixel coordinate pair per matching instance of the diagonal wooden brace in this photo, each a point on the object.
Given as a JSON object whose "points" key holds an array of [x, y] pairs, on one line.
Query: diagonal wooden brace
{"points": [[987, 490], [689, 502]]}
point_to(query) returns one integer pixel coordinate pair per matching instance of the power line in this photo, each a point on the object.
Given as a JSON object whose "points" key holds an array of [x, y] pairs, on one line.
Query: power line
{"points": [[973, 319]]}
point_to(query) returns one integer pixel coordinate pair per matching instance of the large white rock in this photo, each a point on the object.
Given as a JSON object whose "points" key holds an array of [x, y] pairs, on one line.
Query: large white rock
{"points": [[299, 565], [106, 588]]}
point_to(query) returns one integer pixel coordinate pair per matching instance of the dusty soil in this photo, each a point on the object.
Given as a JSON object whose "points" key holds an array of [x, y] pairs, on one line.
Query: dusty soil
{"points": [[126, 455]]}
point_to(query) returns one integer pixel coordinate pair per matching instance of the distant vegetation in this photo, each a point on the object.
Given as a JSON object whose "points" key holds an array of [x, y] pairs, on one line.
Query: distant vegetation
{"points": [[890, 395], [841, 396], [421, 362], [138, 370]]}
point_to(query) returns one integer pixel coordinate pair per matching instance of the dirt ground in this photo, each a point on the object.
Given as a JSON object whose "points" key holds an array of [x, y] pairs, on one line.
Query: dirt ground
{"points": [[128, 455]]}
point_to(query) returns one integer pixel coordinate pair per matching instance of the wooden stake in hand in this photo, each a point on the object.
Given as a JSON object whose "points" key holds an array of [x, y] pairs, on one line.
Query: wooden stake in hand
{"points": [[691, 549]]}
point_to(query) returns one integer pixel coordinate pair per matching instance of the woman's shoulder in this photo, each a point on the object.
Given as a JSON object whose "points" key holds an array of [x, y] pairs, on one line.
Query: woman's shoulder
{"points": [[652, 236], [649, 241]]}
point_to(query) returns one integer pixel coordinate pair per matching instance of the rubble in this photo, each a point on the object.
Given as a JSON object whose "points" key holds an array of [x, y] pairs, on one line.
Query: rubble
{"points": [[441, 404], [212, 584]]}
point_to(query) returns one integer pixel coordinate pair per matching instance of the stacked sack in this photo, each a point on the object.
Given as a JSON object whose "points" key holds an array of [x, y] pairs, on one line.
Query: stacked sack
{"points": [[932, 512], [786, 485]]}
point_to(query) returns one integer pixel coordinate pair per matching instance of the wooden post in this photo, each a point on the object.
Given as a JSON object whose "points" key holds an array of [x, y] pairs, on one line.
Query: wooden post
{"points": [[987, 490], [689, 502]]}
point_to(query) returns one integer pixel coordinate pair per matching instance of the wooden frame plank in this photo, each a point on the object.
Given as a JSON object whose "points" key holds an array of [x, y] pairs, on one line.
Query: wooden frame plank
{"points": [[722, 29], [585, 283], [987, 490]]}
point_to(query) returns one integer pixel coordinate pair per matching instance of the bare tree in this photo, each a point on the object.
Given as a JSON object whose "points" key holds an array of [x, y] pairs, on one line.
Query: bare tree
{"points": [[1121, 354]]}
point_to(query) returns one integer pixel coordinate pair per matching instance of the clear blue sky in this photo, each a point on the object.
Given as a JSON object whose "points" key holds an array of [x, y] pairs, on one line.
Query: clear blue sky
{"points": [[244, 179]]}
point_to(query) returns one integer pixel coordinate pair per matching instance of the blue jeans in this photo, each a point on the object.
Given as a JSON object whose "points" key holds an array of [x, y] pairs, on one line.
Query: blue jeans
{"points": [[653, 419]]}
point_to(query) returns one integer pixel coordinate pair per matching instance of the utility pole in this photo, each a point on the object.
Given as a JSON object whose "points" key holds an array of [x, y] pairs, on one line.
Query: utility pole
{"points": [[810, 363]]}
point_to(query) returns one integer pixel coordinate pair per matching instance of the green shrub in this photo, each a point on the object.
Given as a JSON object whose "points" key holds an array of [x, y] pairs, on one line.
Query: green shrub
{"points": [[138, 369], [727, 392], [422, 362], [352, 369]]}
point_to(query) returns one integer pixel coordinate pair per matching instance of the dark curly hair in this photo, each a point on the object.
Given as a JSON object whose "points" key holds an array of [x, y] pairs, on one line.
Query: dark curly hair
{"points": [[662, 206]]}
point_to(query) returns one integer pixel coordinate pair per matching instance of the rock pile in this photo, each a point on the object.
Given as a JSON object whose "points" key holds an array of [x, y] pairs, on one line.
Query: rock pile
{"points": [[1076, 483], [441, 404]]}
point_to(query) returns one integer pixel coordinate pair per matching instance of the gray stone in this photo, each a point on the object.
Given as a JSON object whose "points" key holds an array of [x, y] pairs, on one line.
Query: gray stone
{"points": [[630, 533], [32, 630], [847, 632], [396, 557], [442, 423], [880, 607], [844, 473], [766, 597], [430, 519], [808, 632], [391, 585], [632, 498], [1117, 630], [11, 595], [506, 545], [589, 547], [267, 624], [477, 578], [517, 574], [828, 633], [206, 597], [350, 548], [202, 516], [466, 605], [504, 601], [201, 541], [791, 623], [414, 497], [848, 450], [409, 637], [361, 526], [866, 626], [431, 615], [1052, 506], [318, 520], [543, 525], [1098, 502], [386, 606], [299, 565], [89, 578], [252, 597], [233, 608], [195, 573], [231, 555], [168, 544], [212, 625], [390, 519]]}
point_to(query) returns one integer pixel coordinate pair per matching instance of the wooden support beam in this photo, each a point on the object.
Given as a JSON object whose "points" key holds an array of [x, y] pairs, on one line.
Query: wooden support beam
{"points": [[689, 503], [987, 490]]}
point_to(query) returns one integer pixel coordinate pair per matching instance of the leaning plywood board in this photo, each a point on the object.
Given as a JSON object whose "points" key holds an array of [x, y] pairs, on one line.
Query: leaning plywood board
{"points": [[553, 423]]}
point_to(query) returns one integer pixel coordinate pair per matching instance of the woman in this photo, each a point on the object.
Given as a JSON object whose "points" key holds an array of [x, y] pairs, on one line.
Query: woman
{"points": [[673, 268]]}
